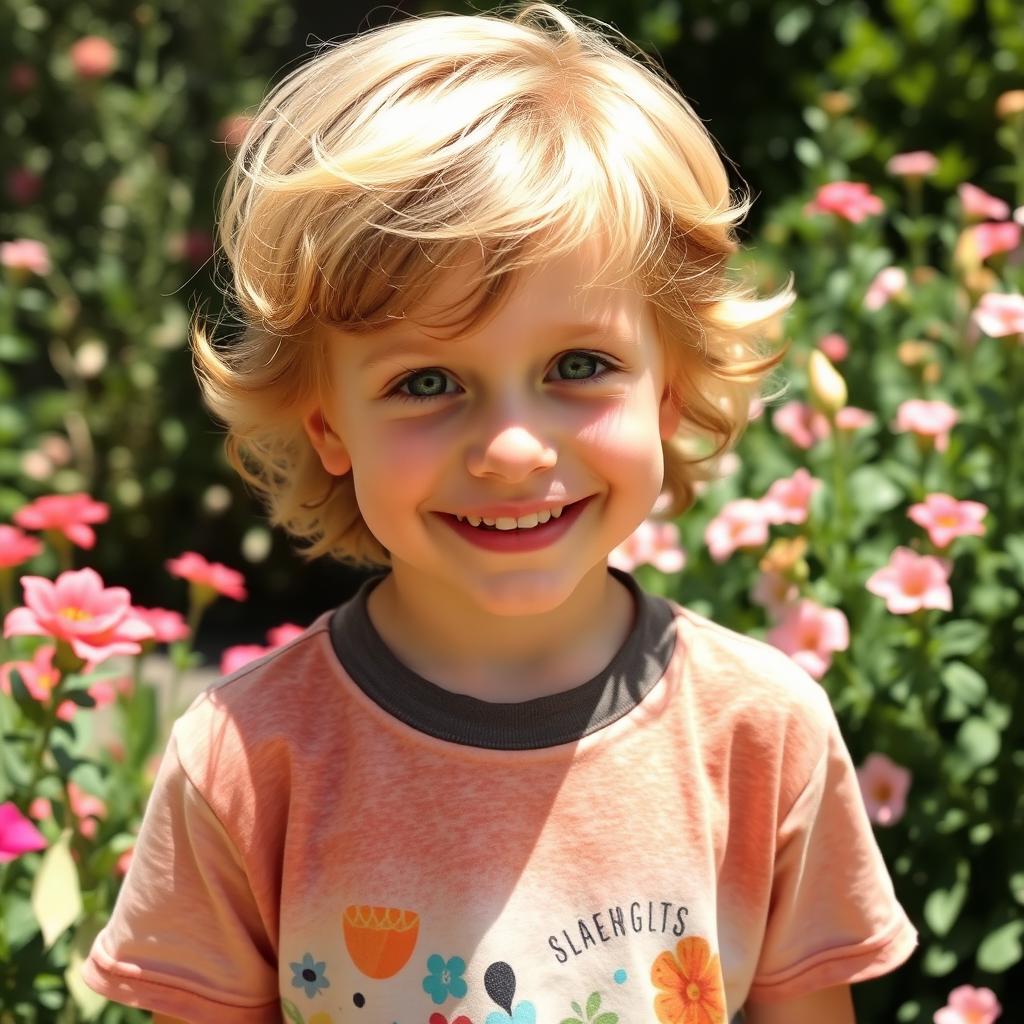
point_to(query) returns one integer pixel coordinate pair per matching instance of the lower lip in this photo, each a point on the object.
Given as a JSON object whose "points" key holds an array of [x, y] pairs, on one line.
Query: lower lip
{"points": [[519, 540]]}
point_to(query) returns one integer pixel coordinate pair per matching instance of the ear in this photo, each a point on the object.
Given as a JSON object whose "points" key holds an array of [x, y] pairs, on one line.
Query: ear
{"points": [[329, 446], [669, 414]]}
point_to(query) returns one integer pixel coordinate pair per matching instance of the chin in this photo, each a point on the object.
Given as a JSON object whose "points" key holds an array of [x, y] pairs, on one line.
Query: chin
{"points": [[526, 593]]}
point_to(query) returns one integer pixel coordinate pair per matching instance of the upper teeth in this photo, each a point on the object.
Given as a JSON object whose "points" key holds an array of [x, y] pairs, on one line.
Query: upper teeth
{"points": [[511, 523]]}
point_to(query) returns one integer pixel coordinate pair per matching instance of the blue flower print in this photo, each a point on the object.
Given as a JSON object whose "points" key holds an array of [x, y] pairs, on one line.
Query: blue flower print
{"points": [[309, 975], [444, 979], [524, 1013]]}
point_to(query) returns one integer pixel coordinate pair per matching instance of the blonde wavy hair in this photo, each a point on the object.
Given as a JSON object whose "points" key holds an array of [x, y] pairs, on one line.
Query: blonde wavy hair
{"points": [[523, 131]]}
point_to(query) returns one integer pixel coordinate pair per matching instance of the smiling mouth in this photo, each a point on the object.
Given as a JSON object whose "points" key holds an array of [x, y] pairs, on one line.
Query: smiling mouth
{"points": [[509, 524]]}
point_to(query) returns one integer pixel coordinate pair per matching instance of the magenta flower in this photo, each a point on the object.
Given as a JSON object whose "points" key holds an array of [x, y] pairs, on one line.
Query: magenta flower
{"points": [[211, 575], [911, 581], [835, 346], [167, 625], [95, 620], [17, 834], [990, 238], [809, 634], [946, 518], [651, 543], [802, 424], [25, 255], [927, 420], [978, 204], [16, 547], [917, 164], [788, 499], [969, 1005], [883, 785], [741, 524], [850, 200], [64, 513], [1000, 314], [886, 285]]}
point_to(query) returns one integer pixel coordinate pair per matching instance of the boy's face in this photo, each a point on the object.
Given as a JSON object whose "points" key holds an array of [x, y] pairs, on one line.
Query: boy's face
{"points": [[521, 414]]}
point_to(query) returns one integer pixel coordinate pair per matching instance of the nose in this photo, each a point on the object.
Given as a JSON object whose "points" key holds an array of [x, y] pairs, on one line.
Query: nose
{"points": [[513, 452]]}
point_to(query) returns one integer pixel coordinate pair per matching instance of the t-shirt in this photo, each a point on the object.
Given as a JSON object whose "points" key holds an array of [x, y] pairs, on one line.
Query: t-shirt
{"points": [[332, 838]]}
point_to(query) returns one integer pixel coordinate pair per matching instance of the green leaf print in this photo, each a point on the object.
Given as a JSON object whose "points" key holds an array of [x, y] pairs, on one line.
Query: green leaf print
{"points": [[579, 1011], [572, 1020], [593, 1004], [607, 1018], [291, 1011]]}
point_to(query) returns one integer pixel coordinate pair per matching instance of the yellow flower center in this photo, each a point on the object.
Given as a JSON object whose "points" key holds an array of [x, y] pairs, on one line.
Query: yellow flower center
{"points": [[693, 992], [75, 614]]}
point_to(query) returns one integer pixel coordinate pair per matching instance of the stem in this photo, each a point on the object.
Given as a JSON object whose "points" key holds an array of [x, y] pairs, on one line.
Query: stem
{"points": [[1011, 346]]}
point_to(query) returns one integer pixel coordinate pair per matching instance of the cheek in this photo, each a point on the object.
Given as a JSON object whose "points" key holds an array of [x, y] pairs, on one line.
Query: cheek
{"points": [[625, 435], [396, 460]]}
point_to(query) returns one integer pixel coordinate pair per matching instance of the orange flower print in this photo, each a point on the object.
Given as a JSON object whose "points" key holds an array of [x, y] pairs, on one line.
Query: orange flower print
{"points": [[691, 985]]}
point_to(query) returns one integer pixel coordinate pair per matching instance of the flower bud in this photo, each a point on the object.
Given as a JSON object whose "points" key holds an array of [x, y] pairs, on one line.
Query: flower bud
{"points": [[1009, 104], [828, 389]]}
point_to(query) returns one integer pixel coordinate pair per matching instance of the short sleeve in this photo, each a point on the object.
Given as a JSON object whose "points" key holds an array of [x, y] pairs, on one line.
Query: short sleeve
{"points": [[833, 914], [185, 937]]}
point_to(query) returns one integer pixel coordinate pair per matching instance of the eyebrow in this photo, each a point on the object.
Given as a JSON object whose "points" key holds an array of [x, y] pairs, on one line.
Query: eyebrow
{"points": [[425, 348]]}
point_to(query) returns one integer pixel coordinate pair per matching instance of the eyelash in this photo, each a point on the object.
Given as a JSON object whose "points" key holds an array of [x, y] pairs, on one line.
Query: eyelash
{"points": [[396, 393]]}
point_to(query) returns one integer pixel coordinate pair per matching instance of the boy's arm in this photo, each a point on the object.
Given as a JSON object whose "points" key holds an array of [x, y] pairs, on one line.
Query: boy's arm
{"points": [[159, 1018], [831, 1005]]}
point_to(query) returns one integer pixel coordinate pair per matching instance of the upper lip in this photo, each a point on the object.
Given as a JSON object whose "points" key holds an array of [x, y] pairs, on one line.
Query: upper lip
{"points": [[515, 509]]}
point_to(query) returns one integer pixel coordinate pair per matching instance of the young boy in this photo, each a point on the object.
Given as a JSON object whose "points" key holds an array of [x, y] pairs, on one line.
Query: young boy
{"points": [[483, 265]]}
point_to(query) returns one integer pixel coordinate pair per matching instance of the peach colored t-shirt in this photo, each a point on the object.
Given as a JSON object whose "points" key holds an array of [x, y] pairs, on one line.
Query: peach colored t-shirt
{"points": [[331, 838]]}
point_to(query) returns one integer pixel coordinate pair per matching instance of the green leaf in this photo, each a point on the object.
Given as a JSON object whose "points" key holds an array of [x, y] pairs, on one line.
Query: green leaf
{"points": [[27, 704], [291, 1011], [979, 741], [571, 1020], [66, 763], [56, 892], [607, 1018], [938, 961], [139, 726], [579, 1009], [89, 1003], [943, 906], [593, 1004], [81, 696], [871, 490], [964, 682], [1001, 949], [959, 637]]}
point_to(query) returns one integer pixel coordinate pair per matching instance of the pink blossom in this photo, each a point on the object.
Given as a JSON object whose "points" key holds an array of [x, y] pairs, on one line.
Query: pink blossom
{"points": [[946, 518], [38, 675], [740, 524], [1018, 215], [852, 418], [84, 804], [67, 514], [887, 284], [917, 164], [95, 620], [22, 78], [93, 57], [213, 575], [40, 809], [651, 543], [121, 866], [17, 834], [991, 238], [1000, 314], [233, 658], [16, 547], [801, 423], [835, 346], [969, 1005], [233, 128], [883, 785], [773, 591], [927, 419], [809, 634], [278, 636], [25, 254], [167, 625], [911, 581], [23, 186], [851, 200], [977, 203], [788, 499]]}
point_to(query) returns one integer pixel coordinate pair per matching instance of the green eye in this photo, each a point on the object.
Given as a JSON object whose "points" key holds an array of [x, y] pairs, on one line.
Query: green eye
{"points": [[578, 365], [426, 383]]}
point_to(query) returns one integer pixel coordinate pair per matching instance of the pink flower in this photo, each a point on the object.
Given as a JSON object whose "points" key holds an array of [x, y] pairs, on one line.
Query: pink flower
{"points": [[911, 581], [835, 346], [23, 186], [887, 284], [167, 625], [38, 675], [946, 518], [917, 164], [121, 866], [232, 129], [93, 57], [1000, 314], [969, 1005], [851, 200], [25, 254], [773, 591], [789, 498], [85, 808], [22, 78], [40, 809], [977, 203], [16, 547], [96, 621], [651, 543], [852, 418], [802, 424], [991, 238], [883, 785], [740, 524], [65, 513], [809, 633], [212, 575], [927, 419], [235, 657], [278, 636], [17, 834]]}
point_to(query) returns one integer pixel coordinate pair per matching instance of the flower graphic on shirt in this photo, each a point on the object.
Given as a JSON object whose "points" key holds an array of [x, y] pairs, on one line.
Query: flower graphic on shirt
{"points": [[445, 978], [309, 975], [691, 985], [440, 1018]]}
